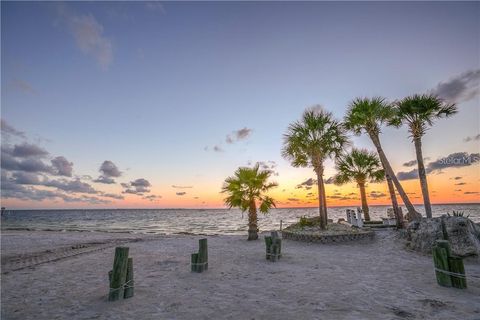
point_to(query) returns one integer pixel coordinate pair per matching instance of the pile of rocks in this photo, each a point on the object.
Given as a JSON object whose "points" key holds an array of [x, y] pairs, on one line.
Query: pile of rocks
{"points": [[462, 233]]}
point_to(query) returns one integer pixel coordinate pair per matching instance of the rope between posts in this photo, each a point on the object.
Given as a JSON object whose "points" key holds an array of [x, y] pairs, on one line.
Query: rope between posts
{"points": [[126, 285], [458, 275], [199, 264]]}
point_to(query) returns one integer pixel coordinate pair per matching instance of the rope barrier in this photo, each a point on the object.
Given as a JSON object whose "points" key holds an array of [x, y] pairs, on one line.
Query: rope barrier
{"points": [[458, 275], [126, 285]]}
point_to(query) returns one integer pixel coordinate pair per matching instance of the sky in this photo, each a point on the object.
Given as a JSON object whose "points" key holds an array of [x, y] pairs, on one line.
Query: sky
{"points": [[154, 104]]}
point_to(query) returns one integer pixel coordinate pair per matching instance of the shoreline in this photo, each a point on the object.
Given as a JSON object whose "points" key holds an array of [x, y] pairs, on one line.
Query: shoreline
{"points": [[374, 279]]}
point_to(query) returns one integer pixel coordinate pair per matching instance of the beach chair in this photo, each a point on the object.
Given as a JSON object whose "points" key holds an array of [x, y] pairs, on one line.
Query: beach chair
{"points": [[355, 218]]}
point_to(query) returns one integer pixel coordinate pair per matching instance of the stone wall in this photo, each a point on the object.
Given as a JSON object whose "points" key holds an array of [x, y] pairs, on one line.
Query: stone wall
{"points": [[313, 237]]}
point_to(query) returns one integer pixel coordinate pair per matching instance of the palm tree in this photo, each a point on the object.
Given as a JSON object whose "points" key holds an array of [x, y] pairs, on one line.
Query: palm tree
{"points": [[359, 166], [368, 115], [245, 189], [309, 142], [419, 112]]}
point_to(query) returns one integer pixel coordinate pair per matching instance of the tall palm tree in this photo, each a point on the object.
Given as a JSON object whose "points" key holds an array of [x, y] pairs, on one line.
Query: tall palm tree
{"points": [[359, 166], [309, 142], [368, 115], [419, 112], [245, 189]]}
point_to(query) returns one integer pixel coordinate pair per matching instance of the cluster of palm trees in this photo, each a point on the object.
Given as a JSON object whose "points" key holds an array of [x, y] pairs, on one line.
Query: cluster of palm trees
{"points": [[318, 136]]}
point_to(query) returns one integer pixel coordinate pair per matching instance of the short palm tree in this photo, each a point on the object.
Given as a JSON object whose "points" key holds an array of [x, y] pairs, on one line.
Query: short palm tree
{"points": [[419, 112], [309, 142], [245, 189], [360, 166], [368, 115]]}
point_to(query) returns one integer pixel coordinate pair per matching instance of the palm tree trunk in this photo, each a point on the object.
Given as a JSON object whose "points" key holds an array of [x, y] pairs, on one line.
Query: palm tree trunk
{"points": [[393, 196], [423, 176], [324, 200], [321, 199], [388, 170], [363, 196], [252, 221]]}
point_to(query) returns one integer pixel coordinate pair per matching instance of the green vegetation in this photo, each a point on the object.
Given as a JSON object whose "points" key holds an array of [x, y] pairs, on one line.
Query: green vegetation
{"points": [[359, 166], [245, 189], [309, 142], [418, 112]]}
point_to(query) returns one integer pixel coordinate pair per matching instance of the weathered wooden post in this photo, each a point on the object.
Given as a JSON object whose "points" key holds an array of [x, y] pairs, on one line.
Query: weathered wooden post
{"points": [[129, 280], [199, 261], [440, 260], [456, 266], [203, 255], [277, 241], [194, 262], [268, 245], [119, 274], [281, 222]]}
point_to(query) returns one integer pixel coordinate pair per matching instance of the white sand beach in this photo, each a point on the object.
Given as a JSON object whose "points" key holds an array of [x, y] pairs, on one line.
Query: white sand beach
{"points": [[366, 280]]}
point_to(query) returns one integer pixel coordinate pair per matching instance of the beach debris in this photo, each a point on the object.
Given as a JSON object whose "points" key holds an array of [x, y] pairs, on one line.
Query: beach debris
{"points": [[273, 244], [461, 232], [121, 276], [199, 261], [449, 269]]}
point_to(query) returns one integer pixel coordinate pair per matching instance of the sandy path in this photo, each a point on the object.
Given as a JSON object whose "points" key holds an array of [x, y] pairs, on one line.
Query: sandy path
{"points": [[368, 280]]}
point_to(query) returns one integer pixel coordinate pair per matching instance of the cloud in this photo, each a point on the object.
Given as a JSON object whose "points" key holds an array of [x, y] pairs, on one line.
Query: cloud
{"points": [[26, 150], [238, 135], [460, 88], [407, 175], [307, 184], [74, 186], [456, 178], [138, 186], [410, 163], [112, 195], [471, 192], [453, 160], [473, 138], [293, 199], [182, 187], [217, 148], [181, 193], [460, 184], [88, 34], [23, 86], [152, 198], [8, 130], [104, 180], [268, 166], [29, 178], [62, 167], [377, 194], [108, 171], [329, 180]]}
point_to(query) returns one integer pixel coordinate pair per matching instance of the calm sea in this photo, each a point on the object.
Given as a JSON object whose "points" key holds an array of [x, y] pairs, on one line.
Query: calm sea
{"points": [[171, 221]]}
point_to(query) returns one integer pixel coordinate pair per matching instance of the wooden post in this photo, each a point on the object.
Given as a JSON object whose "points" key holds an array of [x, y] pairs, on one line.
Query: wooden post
{"points": [[110, 273], [440, 260], [119, 273], [277, 241], [202, 255], [274, 251], [268, 244], [456, 266], [194, 261], [129, 280], [446, 245], [281, 222]]}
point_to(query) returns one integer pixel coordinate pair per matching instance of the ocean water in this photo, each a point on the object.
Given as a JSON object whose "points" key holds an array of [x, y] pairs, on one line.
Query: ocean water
{"points": [[175, 221]]}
